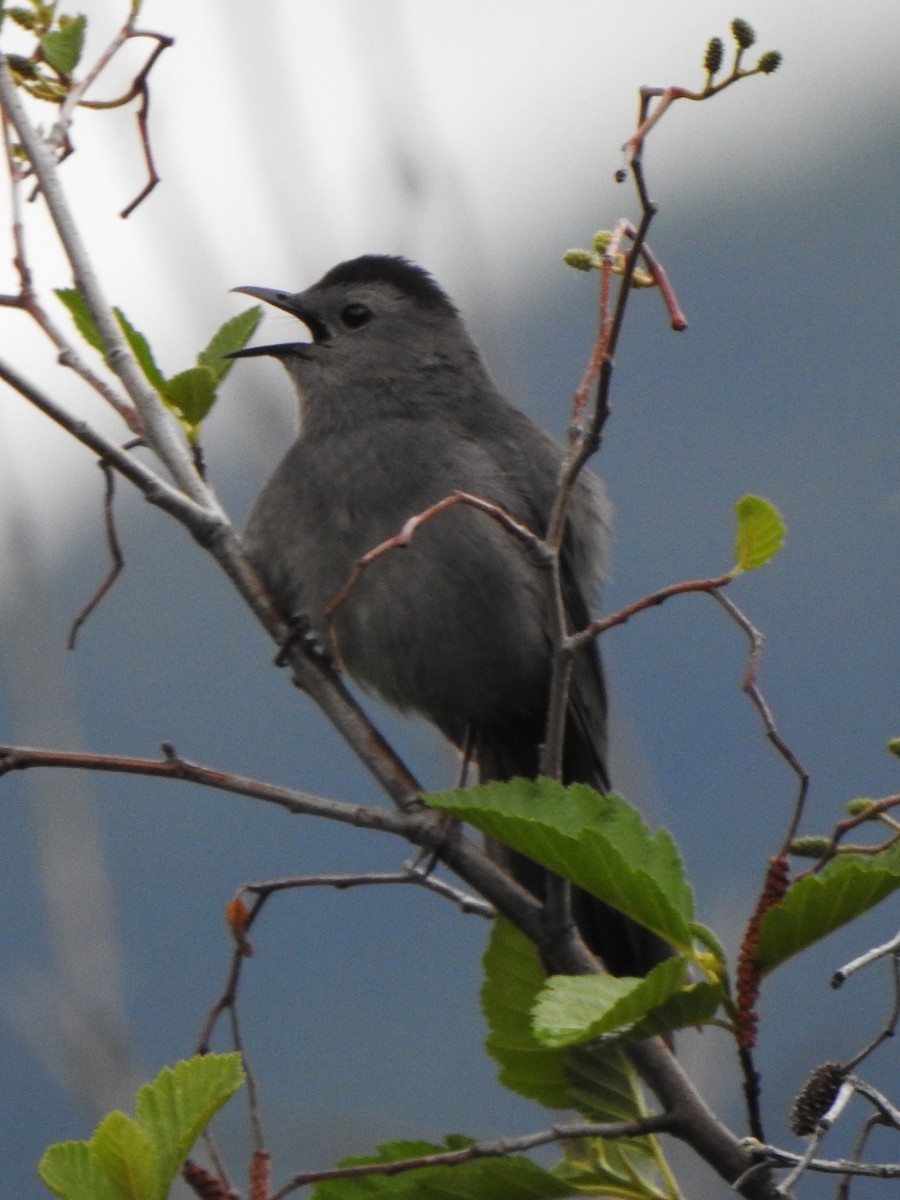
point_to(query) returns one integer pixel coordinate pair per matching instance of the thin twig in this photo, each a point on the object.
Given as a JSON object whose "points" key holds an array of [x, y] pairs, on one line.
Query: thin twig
{"points": [[501, 1148], [584, 443], [889, 1028], [667, 97], [751, 689], [839, 1166], [29, 302], [401, 540], [203, 524], [172, 766], [411, 874], [59, 134], [876, 809], [160, 428], [864, 960], [869, 1125], [623, 615], [115, 552]]}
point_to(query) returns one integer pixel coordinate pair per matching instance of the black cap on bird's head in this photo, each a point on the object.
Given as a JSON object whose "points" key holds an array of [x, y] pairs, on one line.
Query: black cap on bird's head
{"points": [[341, 300]]}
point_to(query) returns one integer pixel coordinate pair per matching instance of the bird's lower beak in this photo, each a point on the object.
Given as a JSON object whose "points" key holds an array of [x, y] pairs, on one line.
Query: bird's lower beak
{"points": [[285, 350]]}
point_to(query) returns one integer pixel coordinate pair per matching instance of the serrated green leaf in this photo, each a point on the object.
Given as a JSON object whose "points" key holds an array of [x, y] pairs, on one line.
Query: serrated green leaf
{"points": [[190, 395], [513, 979], [596, 1079], [816, 905], [598, 842], [232, 336], [125, 1155], [140, 348], [177, 1106], [577, 1008], [760, 532], [70, 1170], [84, 322], [62, 46], [694, 1005], [137, 1159]]}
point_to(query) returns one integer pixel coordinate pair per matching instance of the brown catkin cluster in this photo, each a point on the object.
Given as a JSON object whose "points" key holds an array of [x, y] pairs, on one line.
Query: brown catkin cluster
{"points": [[778, 879], [816, 1097]]}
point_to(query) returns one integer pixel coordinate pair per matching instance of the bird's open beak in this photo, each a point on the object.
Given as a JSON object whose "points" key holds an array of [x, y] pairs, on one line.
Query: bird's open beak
{"points": [[283, 300], [289, 303]]}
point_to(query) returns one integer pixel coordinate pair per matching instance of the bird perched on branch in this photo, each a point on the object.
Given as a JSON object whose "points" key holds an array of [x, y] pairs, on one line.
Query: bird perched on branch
{"points": [[397, 412]]}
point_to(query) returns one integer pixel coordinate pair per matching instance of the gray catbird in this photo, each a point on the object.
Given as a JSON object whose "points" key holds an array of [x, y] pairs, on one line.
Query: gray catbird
{"points": [[397, 412]]}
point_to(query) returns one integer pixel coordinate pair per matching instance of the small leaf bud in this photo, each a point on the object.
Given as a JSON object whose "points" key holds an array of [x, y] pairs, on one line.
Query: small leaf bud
{"points": [[856, 808], [602, 238], [712, 60], [742, 33], [769, 62], [809, 847], [581, 260]]}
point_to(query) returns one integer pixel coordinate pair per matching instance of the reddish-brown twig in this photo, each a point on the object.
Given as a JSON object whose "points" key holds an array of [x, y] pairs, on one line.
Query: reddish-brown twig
{"points": [[402, 539], [751, 689], [872, 812], [623, 615], [115, 552]]}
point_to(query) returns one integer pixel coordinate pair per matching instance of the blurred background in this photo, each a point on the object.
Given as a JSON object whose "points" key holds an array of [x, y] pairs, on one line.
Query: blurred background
{"points": [[481, 140]]}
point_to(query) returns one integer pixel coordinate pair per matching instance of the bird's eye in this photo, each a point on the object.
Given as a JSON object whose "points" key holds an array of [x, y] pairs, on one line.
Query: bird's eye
{"points": [[356, 315]]}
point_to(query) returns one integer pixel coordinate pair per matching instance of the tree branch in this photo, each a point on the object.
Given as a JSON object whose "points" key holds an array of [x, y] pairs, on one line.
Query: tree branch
{"points": [[500, 1148], [160, 429]]}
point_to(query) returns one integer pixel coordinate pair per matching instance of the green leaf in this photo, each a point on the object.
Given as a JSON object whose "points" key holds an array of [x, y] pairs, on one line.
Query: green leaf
{"points": [[693, 1005], [603, 1086], [182, 1100], [70, 1170], [84, 322], [190, 395], [62, 46], [760, 532], [599, 1168], [137, 1159], [126, 1157], [816, 905], [578, 1008], [86, 326], [513, 979], [232, 336], [140, 348], [512, 1178], [26, 18], [598, 842], [705, 936]]}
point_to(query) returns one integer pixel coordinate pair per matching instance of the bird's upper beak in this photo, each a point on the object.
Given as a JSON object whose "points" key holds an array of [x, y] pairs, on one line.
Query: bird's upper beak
{"points": [[290, 303]]}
